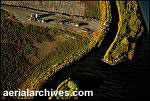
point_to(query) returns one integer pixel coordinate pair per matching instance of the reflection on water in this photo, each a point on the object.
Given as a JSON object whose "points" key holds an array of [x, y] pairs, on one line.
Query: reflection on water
{"points": [[125, 80], [145, 11]]}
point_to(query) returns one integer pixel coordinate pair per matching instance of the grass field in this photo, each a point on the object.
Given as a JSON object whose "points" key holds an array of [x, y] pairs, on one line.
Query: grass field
{"points": [[31, 43], [30, 53]]}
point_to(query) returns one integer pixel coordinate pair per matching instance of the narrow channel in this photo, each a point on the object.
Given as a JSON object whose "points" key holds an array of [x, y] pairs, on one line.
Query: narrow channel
{"points": [[112, 30]]}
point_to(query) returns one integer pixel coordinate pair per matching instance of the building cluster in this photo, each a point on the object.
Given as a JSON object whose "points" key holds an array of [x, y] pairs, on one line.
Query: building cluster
{"points": [[39, 18], [36, 17]]}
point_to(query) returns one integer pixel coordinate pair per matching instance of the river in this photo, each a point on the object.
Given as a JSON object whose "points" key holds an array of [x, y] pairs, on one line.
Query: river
{"points": [[124, 80]]}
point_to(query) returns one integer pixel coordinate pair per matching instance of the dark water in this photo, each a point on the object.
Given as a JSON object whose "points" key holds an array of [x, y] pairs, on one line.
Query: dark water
{"points": [[144, 4], [129, 80]]}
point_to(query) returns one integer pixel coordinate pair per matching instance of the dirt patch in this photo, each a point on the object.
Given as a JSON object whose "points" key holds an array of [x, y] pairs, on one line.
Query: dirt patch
{"points": [[59, 39]]}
